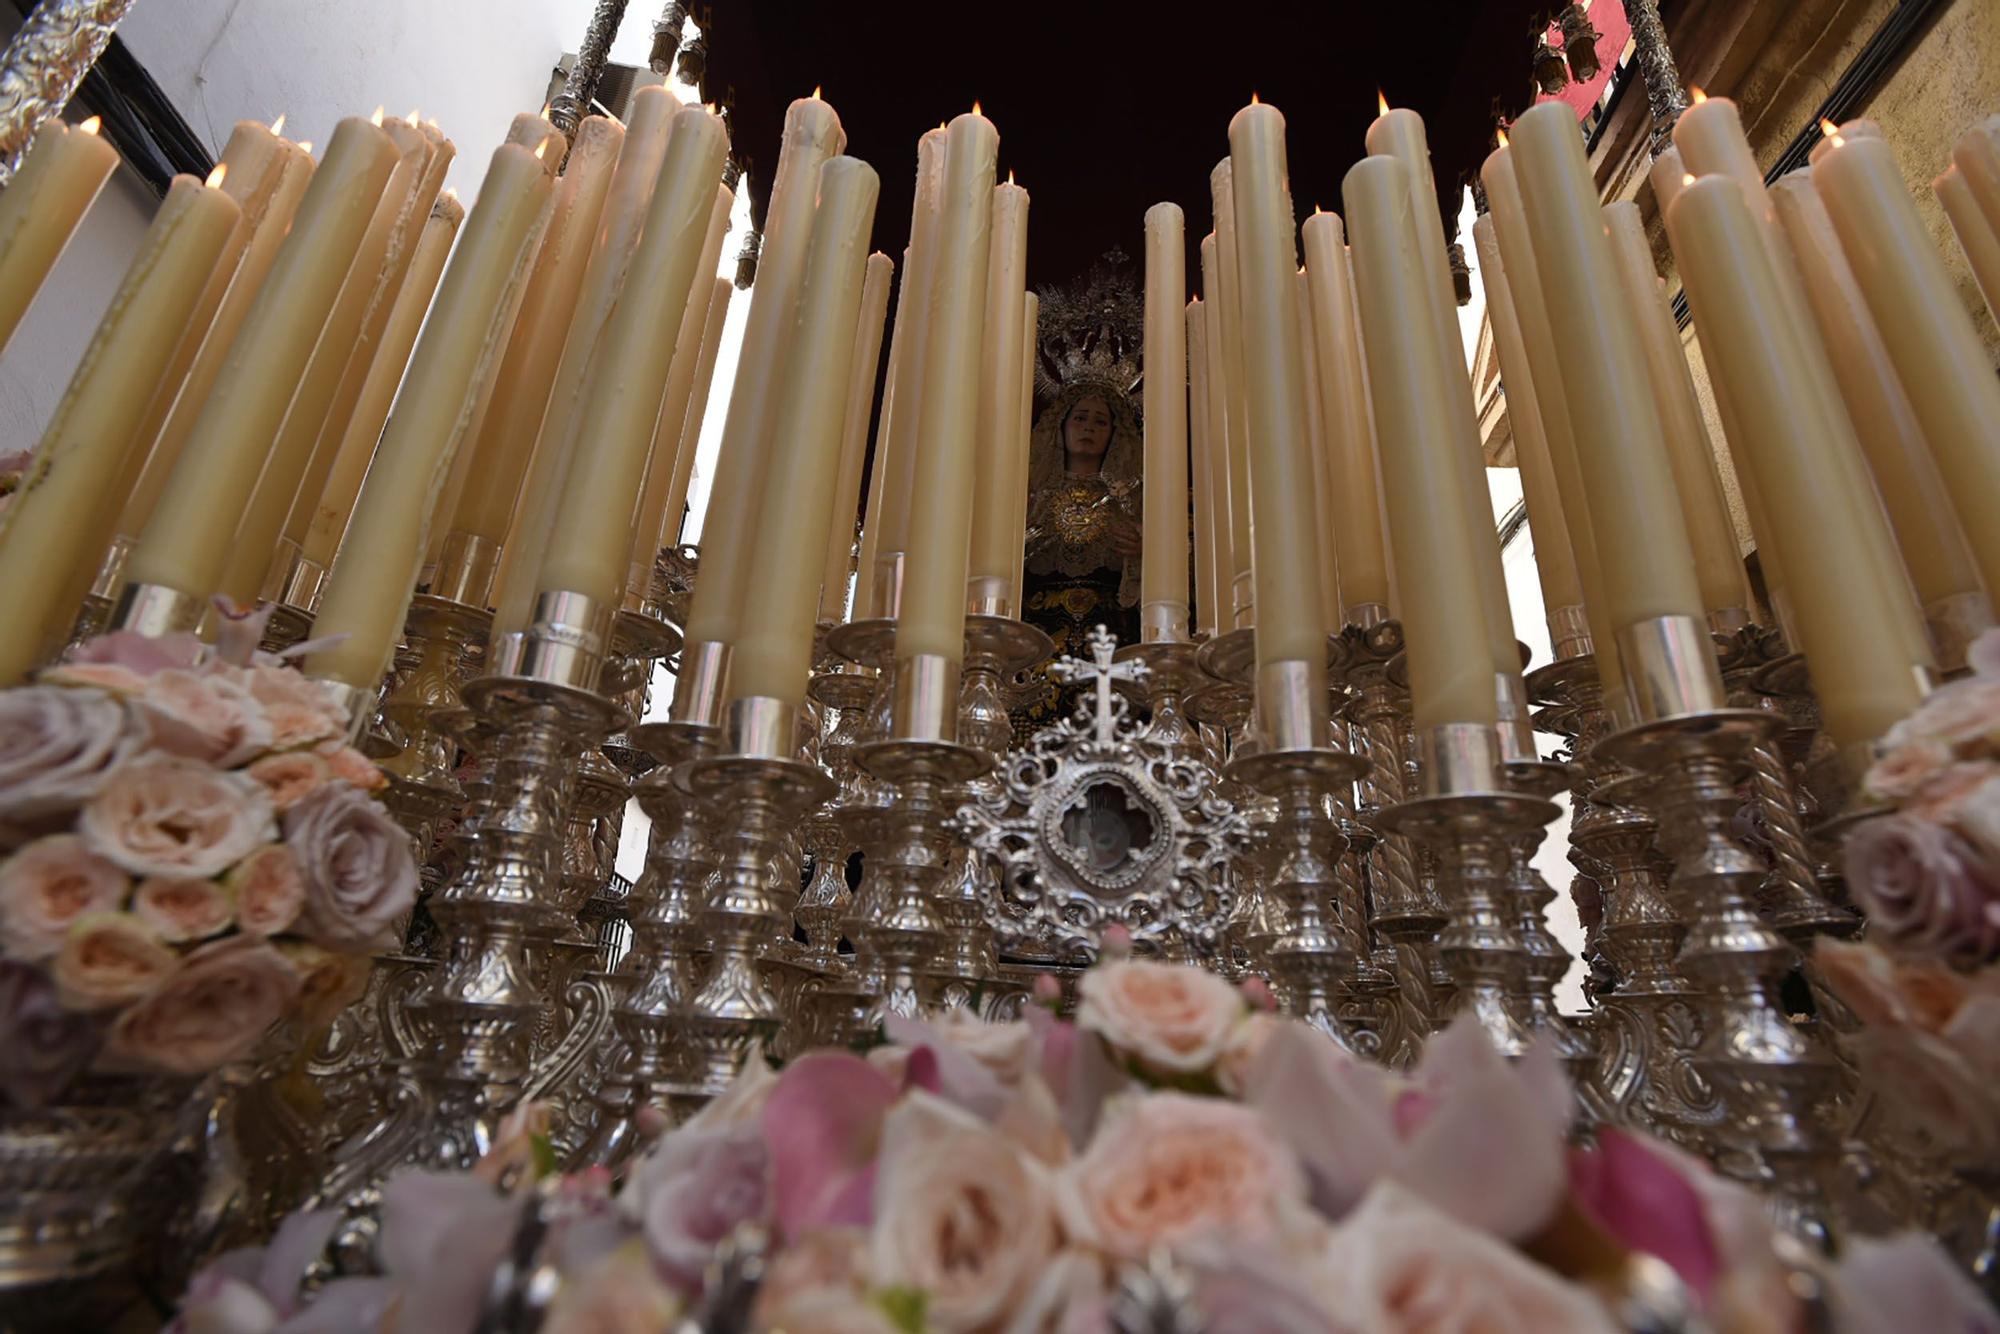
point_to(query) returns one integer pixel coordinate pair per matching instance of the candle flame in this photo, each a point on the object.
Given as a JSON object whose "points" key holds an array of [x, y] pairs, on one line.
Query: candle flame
{"points": [[376, 119], [544, 112], [1828, 128], [1317, 210], [1010, 175], [816, 88], [1687, 178], [1253, 97], [1500, 133], [975, 108], [91, 126], [306, 147], [451, 192], [278, 125], [709, 107], [215, 177], [1696, 93], [432, 122], [414, 114], [541, 150], [1381, 102]]}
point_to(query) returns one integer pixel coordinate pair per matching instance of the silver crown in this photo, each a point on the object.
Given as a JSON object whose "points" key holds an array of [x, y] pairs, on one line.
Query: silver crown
{"points": [[1091, 331]]}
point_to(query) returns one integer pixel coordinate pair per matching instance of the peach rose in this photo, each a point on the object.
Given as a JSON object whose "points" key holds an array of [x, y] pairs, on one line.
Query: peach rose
{"points": [[212, 1010], [58, 746], [1901, 770], [270, 891], [110, 958], [172, 816], [351, 766], [1005, 1050], [290, 776], [1164, 1168], [960, 1214], [1397, 1266], [1944, 789], [1883, 990], [617, 1295], [182, 908], [817, 1282], [1246, 1044], [300, 712], [1964, 713], [47, 887], [1975, 815], [1172, 1019], [205, 715], [113, 678], [1927, 1085]]}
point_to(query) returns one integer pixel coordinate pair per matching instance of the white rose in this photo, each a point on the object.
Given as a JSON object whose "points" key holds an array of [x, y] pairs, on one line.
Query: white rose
{"points": [[1173, 1019]]}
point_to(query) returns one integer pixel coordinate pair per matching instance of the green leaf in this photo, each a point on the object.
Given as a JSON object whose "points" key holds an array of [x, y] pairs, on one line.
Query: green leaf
{"points": [[546, 1164], [904, 1306]]}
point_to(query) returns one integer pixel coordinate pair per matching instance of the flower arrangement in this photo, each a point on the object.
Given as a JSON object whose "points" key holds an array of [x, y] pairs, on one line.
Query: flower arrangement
{"points": [[192, 855], [979, 1176]]}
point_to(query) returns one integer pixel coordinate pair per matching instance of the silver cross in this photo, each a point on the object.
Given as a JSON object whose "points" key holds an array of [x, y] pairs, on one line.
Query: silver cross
{"points": [[1103, 646]]}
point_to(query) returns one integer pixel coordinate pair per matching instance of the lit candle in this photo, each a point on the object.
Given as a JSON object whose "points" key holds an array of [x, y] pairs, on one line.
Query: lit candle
{"points": [[648, 127], [1642, 542], [1220, 281], [773, 653], [42, 207], [1285, 564], [1920, 511], [1000, 475], [932, 619], [1322, 463], [1977, 157], [1163, 583], [697, 410], [1718, 571], [1930, 338], [371, 410], [1864, 678], [811, 132], [1451, 674], [182, 546], [374, 575], [1360, 549], [859, 409], [1204, 515], [1978, 241], [662, 457], [60, 519]]}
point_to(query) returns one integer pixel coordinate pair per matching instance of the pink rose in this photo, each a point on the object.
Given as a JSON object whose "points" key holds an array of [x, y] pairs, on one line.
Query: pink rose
{"points": [[110, 958], [1165, 1168], [961, 1215], [819, 1283], [1908, 993], [1945, 788], [1172, 1019], [351, 766], [1963, 713], [1901, 770], [205, 715], [42, 1045], [110, 677], [1398, 1266], [181, 908], [58, 746], [329, 981], [1924, 887], [703, 1184], [290, 776], [270, 891], [47, 887], [211, 1011], [1975, 816], [617, 1295], [299, 710], [1926, 1084], [360, 877], [171, 816], [1003, 1050], [1246, 1045], [140, 654]]}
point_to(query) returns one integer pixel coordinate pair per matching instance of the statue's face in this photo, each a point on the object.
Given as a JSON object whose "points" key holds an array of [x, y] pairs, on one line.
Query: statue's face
{"points": [[1087, 432]]}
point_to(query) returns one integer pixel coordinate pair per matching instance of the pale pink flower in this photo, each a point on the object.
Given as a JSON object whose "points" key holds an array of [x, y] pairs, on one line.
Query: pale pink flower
{"points": [[1910, 993], [1906, 1282], [290, 776], [47, 887], [1246, 1045], [139, 653], [329, 981], [172, 816], [43, 1046], [1944, 789], [182, 908], [1927, 1085], [821, 1270], [300, 711], [703, 1184], [58, 746], [211, 1011], [269, 889], [359, 873], [1171, 1019], [1962, 714], [1900, 771], [111, 677], [1004, 1050], [1165, 1168], [110, 958], [1924, 887], [960, 1214], [205, 715], [1975, 816], [351, 766], [617, 1295]]}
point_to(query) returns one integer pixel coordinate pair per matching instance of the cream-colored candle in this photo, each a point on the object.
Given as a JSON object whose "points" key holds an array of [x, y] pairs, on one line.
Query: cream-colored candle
{"points": [[1977, 157], [182, 545], [1221, 482], [697, 410], [1920, 511], [371, 410], [1225, 294], [741, 473], [1163, 583], [1665, 176], [290, 457], [1322, 462], [375, 572], [1451, 672], [1863, 677], [1031, 308], [1978, 241], [1648, 564], [871, 519], [1361, 551], [1555, 563], [42, 207], [1936, 352], [60, 519], [890, 529], [269, 225], [773, 654], [932, 617], [858, 410], [1204, 515], [506, 439], [591, 542], [648, 127], [1285, 565], [1717, 569], [662, 457], [1000, 475]]}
